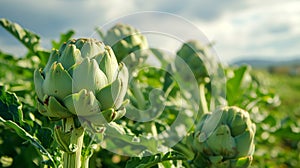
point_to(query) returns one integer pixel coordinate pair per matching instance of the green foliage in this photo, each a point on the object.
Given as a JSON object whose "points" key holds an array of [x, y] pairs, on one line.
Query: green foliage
{"points": [[156, 102], [63, 38], [29, 39], [12, 114], [151, 161], [277, 136]]}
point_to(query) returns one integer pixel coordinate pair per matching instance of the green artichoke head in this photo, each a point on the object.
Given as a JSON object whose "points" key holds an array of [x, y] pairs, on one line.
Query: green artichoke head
{"points": [[84, 79], [225, 138], [128, 43], [194, 54]]}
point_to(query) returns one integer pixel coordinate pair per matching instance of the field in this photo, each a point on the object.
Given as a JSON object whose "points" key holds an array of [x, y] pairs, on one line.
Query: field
{"points": [[281, 145], [82, 104]]}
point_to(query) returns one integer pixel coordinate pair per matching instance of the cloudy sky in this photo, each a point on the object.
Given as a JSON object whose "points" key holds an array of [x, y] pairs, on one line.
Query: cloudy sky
{"points": [[248, 29]]}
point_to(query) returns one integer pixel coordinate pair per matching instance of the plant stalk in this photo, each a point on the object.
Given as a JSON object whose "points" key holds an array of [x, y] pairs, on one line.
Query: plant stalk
{"points": [[85, 162], [203, 108], [72, 159]]}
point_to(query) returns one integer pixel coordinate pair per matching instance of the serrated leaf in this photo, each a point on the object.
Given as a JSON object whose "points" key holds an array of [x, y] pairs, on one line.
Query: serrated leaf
{"points": [[45, 136], [10, 106], [235, 84], [26, 136], [29, 39]]}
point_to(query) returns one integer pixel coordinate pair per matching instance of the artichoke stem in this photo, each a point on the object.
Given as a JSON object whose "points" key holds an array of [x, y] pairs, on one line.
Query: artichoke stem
{"points": [[154, 130], [203, 108], [141, 102], [72, 159], [85, 162]]}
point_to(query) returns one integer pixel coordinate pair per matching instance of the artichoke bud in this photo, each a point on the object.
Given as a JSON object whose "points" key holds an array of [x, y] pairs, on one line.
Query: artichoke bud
{"points": [[225, 138], [195, 55], [84, 79], [128, 43]]}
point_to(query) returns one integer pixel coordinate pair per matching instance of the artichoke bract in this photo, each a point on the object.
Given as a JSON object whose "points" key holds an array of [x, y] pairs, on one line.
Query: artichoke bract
{"points": [[128, 43], [84, 79], [225, 138]]}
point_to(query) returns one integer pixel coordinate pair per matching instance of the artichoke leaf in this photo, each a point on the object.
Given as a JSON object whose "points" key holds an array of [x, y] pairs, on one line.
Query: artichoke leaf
{"points": [[62, 138]]}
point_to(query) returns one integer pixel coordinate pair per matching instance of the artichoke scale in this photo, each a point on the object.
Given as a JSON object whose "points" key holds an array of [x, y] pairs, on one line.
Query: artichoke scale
{"points": [[83, 103], [244, 144], [108, 95], [38, 83], [109, 64], [88, 75], [58, 82], [70, 56]]}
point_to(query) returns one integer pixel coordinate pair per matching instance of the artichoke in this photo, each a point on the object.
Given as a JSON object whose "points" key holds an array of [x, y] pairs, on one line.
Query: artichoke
{"points": [[224, 138], [84, 79], [129, 45], [194, 54]]}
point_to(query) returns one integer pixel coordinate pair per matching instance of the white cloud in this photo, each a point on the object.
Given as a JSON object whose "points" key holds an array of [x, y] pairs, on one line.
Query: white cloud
{"points": [[50, 18], [240, 28], [256, 31]]}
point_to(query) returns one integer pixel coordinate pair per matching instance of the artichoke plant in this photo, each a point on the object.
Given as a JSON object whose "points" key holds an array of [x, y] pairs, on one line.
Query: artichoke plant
{"points": [[129, 45], [224, 138], [84, 79]]}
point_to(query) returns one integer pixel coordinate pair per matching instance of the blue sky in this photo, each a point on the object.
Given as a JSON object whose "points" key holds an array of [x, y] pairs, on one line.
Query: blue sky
{"points": [[248, 29]]}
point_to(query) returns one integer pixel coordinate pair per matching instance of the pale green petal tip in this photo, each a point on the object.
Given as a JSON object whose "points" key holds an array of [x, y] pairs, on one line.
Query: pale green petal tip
{"points": [[92, 48], [54, 56], [109, 64]]}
